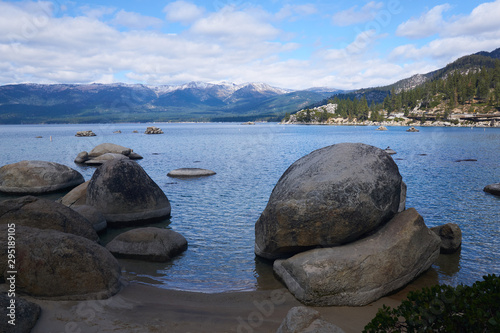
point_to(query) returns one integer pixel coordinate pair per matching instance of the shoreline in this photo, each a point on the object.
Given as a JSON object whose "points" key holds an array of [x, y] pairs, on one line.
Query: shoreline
{"points": [[144, 308]]}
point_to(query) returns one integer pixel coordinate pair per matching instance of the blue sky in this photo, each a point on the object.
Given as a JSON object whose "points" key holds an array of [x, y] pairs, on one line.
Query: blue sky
{"points": [[289, 44]]}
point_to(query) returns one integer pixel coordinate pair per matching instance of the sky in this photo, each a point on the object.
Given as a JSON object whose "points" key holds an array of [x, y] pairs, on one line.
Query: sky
{"points": [[294, 44]]}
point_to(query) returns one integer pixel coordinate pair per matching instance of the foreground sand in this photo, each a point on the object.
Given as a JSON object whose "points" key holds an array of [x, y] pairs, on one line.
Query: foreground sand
{"points": [[143, 308]]}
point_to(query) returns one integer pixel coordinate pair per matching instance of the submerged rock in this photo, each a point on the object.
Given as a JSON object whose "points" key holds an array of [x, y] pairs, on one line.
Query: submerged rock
{"points": [[332, 196], [152, 244], [190, 172], [359, 273], [106, 157], [35, 177], [105, 148], [41, 213], [124, 193], [493, 189], [61, 266]]}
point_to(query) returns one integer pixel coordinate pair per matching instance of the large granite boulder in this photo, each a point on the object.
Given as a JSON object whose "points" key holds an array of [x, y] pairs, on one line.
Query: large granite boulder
{"points": [[34, 177], [124, 193], [96, 219], [451, 237], [152, 244], [301, 319], [77, 196], [332, 196], [361, 272], [41, 213], [55, 265], [18, 315]]}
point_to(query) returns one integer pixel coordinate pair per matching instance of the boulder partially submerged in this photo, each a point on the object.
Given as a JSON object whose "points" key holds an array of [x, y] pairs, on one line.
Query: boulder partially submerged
{"points": [[36, 177], [60, 266], [492, 189], [85, 133], [332, 196], [190, 173], [151, 244], [361, 272], [76, 197], [451, 237], [124, 193], [412, 129], [106, 151]]}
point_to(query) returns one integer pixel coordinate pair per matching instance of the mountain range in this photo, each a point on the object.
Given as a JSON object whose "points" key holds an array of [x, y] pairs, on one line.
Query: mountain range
{"points": [[119, 102], [193, 101]]}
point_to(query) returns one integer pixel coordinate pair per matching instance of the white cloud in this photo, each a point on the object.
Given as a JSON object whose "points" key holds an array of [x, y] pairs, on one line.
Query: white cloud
{"points": [[293, 11], [183, 11], [136, 21], [353, 15], [235, 27], [485, 18], [426, 25]]}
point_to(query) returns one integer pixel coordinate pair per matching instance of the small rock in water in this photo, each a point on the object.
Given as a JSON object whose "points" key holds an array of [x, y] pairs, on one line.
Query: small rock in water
{"points": [[382, 128], [117, 132], [153, 130], [85, 133], [190, 172], [412, 129], [467, 160], [492, 189]]}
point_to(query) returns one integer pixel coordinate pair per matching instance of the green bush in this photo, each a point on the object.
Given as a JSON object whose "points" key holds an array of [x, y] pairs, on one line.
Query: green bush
{"points": [[444, 308]]}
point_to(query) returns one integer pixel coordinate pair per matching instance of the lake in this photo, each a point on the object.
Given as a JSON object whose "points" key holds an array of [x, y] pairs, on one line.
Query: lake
{"points": [[217, 214]]}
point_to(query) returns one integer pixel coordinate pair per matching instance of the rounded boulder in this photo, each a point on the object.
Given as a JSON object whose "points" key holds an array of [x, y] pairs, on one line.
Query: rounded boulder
{"points": [[124, 193], [35, 177], [332, 196], [41, 213], [59, 266], [152, 244]]}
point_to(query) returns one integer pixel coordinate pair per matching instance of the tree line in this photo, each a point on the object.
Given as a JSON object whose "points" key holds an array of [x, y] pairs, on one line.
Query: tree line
{"points": [[470, 83]]}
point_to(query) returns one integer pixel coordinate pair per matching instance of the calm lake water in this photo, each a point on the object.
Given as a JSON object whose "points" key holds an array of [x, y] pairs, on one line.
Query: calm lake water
{"points": [[217, 214]]}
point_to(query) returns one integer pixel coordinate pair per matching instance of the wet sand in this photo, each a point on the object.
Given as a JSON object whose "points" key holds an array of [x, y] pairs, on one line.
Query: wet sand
{"points": [[144, 308]]}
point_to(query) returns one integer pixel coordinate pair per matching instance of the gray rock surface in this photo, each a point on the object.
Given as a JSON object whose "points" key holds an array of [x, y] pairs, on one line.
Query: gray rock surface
{"points": [[104, 148], [124, 193], [451, 237], [402, 198], [152, 244], [105, 157], [61, 266], [190, 172], [41, 213], [332, 196], [77, 196], [96, 219], [359, 273], [25, 314], [301, 319], [82, 157], [492, 189], [35, 177]]}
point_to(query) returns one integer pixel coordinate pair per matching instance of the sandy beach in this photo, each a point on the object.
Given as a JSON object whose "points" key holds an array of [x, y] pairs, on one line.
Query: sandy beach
{"points": [[144, 308]]}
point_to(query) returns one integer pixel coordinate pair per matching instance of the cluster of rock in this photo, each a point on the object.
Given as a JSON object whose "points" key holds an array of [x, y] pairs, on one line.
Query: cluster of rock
{"points": [[382, 128], [412, 129], [106, 152], [337, 228], [58, 255], [85, 133], [153, 130]]}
